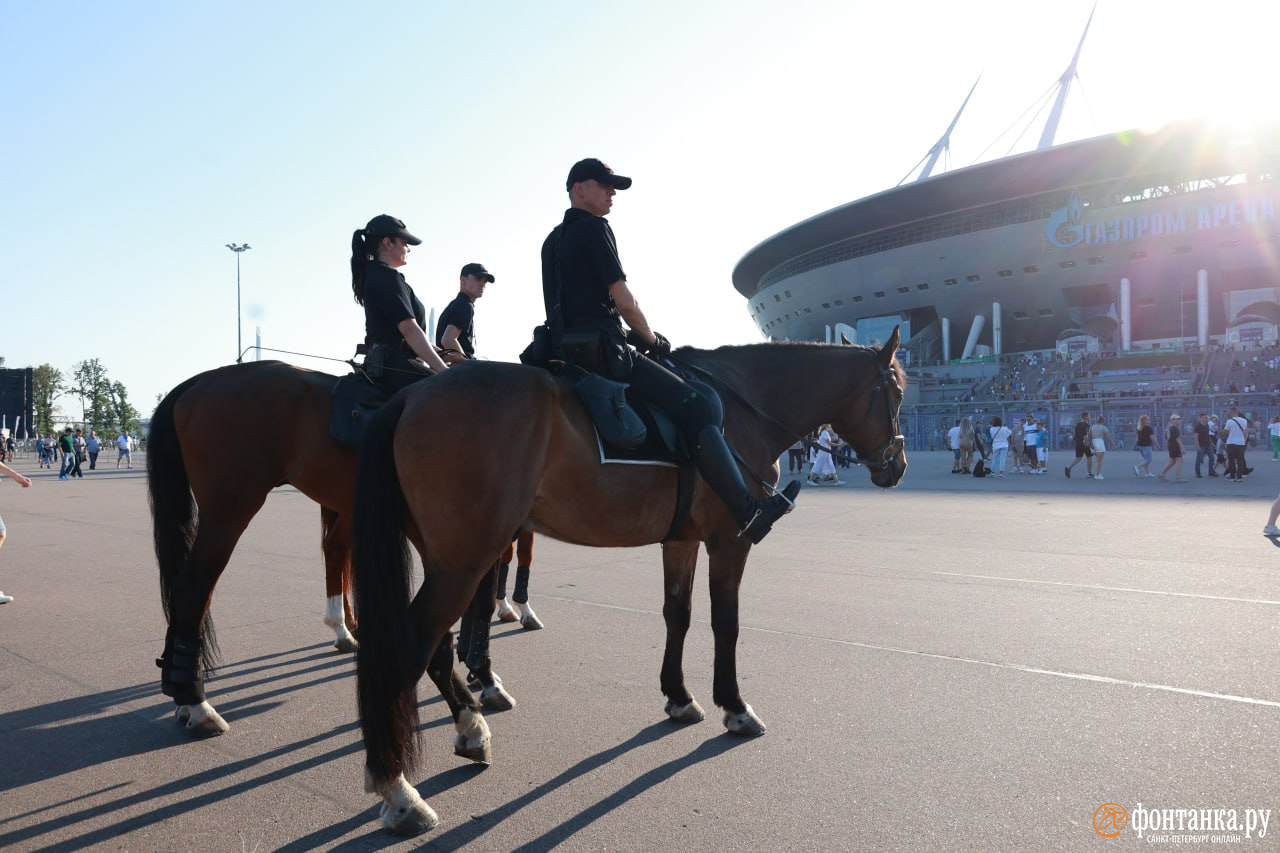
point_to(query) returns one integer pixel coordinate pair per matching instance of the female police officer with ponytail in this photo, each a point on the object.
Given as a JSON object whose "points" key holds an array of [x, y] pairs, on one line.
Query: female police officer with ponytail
{"points": [[394, 318], [584, 286]]}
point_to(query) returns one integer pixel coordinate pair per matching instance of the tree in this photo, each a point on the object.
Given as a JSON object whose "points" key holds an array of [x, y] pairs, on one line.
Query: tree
{"points": [[94, 390], [125, 414], [47, 385]]}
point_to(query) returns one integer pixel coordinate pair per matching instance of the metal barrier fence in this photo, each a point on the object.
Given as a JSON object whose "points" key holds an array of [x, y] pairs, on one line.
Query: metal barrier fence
{"points": [[925, 426]]}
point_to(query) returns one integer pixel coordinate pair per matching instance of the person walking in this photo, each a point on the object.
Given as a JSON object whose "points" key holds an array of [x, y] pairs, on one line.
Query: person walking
{"points": [[1083, 449], [25, 482], [1237, 430], [1015, 448], [67, 447], [1271, 529], [1173, 443], [1274, 429], [1099, 439], [1000, 435], [1204, 444], [93, 446], [1143, 444], [584, 286], [124, 448], [953, 441]]}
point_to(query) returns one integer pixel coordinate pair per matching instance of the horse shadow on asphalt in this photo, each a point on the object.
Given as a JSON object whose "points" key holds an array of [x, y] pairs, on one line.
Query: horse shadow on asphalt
{"points": [[64, 737]]}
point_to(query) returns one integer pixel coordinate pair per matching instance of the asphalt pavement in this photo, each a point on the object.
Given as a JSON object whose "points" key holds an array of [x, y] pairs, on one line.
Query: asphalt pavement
{"points": [[955, 664]]}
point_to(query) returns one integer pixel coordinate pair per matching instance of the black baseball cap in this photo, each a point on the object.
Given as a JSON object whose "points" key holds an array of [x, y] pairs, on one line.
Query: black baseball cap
{"points": [[478, 271], [388, 226], [593, 169]]}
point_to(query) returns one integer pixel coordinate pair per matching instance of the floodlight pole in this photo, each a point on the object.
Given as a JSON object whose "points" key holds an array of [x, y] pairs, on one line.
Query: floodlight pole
{"points": [[239, 250]]}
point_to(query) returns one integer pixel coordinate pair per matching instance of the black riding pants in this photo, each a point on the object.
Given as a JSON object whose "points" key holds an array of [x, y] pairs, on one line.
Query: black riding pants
{"points": [[399, 372], [691, 409]]}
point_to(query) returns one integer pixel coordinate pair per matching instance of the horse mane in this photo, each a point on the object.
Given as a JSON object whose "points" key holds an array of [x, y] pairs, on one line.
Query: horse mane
{"points": [[729, 357]]}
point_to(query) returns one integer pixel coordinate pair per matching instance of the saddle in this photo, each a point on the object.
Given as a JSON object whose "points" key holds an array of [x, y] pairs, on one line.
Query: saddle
{"points": [[355, 400]]}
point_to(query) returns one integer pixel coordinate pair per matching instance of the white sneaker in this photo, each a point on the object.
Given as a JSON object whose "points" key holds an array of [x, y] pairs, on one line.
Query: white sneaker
{"points": [[1099, 477], [1269, 530], [5, 599], [1137, 470]]}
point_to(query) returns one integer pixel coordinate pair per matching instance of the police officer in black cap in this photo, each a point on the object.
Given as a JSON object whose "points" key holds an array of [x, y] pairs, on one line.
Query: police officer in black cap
{"points": [[394, 318], [580, 266], [456, 329]]}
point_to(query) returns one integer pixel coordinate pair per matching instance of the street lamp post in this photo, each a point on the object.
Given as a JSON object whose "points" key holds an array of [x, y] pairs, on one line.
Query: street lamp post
{"points": [[239, 250]]}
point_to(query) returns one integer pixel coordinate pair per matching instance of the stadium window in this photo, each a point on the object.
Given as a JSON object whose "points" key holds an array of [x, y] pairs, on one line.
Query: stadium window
{"points": [[1066, 265], [1137, 256], [826, 305], [924, 285], [879, 294], [1044, 312], [904, 290], [1019, 315], [857, 299], [808, 310], [1006, 273], [1180, 250], [839, 301], [777, 298], [949, 282], [1031, 269], [1097, 259], [786, 293], [973, 278]]}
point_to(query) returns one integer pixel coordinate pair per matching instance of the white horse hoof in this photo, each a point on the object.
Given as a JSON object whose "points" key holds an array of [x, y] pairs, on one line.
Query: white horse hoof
{"points": [[496, 698], [347, 645], [201, 721], [404, 812], [506, 612], [691, 713], [746, 724], [530, 620]]}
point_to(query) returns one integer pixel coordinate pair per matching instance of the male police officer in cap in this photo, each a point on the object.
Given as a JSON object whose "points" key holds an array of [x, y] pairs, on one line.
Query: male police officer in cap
{"points": [[455, 332], [580, 263]]}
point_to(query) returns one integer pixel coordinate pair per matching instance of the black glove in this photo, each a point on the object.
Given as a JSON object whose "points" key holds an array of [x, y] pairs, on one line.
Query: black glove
{"points": [[660, 348]]}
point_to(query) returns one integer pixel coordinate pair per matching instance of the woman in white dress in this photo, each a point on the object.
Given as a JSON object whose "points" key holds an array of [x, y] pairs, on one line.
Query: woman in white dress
{"points": [[824, 467]]}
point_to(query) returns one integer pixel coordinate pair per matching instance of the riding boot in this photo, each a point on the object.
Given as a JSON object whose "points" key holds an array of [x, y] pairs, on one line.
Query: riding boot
{"points": [[718, 467]]}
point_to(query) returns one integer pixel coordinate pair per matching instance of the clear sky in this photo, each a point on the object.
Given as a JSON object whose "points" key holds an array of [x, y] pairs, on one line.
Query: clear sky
{"points": [[140, 137]]}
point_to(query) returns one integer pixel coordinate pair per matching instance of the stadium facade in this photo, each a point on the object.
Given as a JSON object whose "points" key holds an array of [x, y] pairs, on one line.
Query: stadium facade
{"points": [[1137, 240]]}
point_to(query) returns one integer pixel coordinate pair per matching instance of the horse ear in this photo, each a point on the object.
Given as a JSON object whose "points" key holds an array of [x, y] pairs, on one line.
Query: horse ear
{"points": [[890, 347], [844, 341]]}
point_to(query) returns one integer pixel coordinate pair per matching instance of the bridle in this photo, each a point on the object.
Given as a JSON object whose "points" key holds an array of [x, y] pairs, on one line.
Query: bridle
{"points": [[876, 461]]}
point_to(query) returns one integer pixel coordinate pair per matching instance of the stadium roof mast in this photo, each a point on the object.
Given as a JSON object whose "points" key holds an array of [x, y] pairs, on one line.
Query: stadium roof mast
{"points": [[1064, 87], [944, 142]]}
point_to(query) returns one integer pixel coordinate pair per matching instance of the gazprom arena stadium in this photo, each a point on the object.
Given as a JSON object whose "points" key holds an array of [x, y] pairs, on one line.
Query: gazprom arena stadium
{"points": [[1163, 239]]}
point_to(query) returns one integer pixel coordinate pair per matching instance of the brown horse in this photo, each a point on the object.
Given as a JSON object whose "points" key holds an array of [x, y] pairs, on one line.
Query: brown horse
{"points": [[535, 465]]}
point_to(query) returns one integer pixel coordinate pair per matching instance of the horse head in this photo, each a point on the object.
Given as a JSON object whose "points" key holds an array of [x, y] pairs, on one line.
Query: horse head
{"points": [[870, 422]]}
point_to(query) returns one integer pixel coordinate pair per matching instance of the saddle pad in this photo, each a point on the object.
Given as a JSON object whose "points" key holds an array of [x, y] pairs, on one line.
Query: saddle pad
{"points": [[355, 399], [661, 436]]}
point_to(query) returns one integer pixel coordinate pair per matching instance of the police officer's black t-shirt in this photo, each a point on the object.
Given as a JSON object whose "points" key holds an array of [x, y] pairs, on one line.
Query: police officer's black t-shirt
{"points": [[460, 313], [1082, 433], [388, 300], [588, 266]]}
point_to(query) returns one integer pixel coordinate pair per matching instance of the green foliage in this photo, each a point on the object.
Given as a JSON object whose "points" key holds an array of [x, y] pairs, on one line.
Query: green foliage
{"points": [[93, 388], [47, 384], [126, 416]]}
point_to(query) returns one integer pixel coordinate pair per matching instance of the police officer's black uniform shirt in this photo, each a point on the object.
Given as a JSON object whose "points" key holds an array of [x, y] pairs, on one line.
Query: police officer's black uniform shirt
{"points": [[588, 265], [389, 300], [461, 314]]}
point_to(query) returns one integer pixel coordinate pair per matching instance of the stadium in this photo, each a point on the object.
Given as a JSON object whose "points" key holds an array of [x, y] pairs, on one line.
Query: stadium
{"points": [[1137, 272]]}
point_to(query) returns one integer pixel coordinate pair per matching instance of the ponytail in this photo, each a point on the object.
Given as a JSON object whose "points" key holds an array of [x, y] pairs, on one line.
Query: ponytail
{"points": [[359, 261]]}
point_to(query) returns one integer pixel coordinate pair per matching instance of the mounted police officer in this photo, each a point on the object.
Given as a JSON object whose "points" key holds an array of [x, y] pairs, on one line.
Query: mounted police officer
{"points": [[394, 318], [584, 287], [456, 329]]}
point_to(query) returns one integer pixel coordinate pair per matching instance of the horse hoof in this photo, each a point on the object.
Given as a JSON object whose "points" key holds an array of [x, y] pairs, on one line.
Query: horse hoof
{"points": [[201, 721], [746, 724], [690, 713], [506, 612], [480, 754], [408, 817], [495, 698], [347, 645], [530, 620]]}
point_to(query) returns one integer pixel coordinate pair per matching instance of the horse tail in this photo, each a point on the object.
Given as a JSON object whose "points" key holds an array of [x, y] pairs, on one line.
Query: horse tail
{"points": [[173, 508], [383, 569]]}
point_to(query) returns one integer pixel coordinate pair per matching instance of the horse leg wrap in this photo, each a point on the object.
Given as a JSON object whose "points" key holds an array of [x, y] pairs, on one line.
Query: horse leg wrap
{"points": [[521, 594], [180, 670], [464, 636], [503, 568], [476, 633]]}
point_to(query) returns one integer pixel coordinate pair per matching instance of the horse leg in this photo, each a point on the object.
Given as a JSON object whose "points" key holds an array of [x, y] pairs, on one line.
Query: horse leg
{"points": [[524, 557], [335, 543], [679, 561], [181, 664], [726, 565], [473, 645], [506, 612]]}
